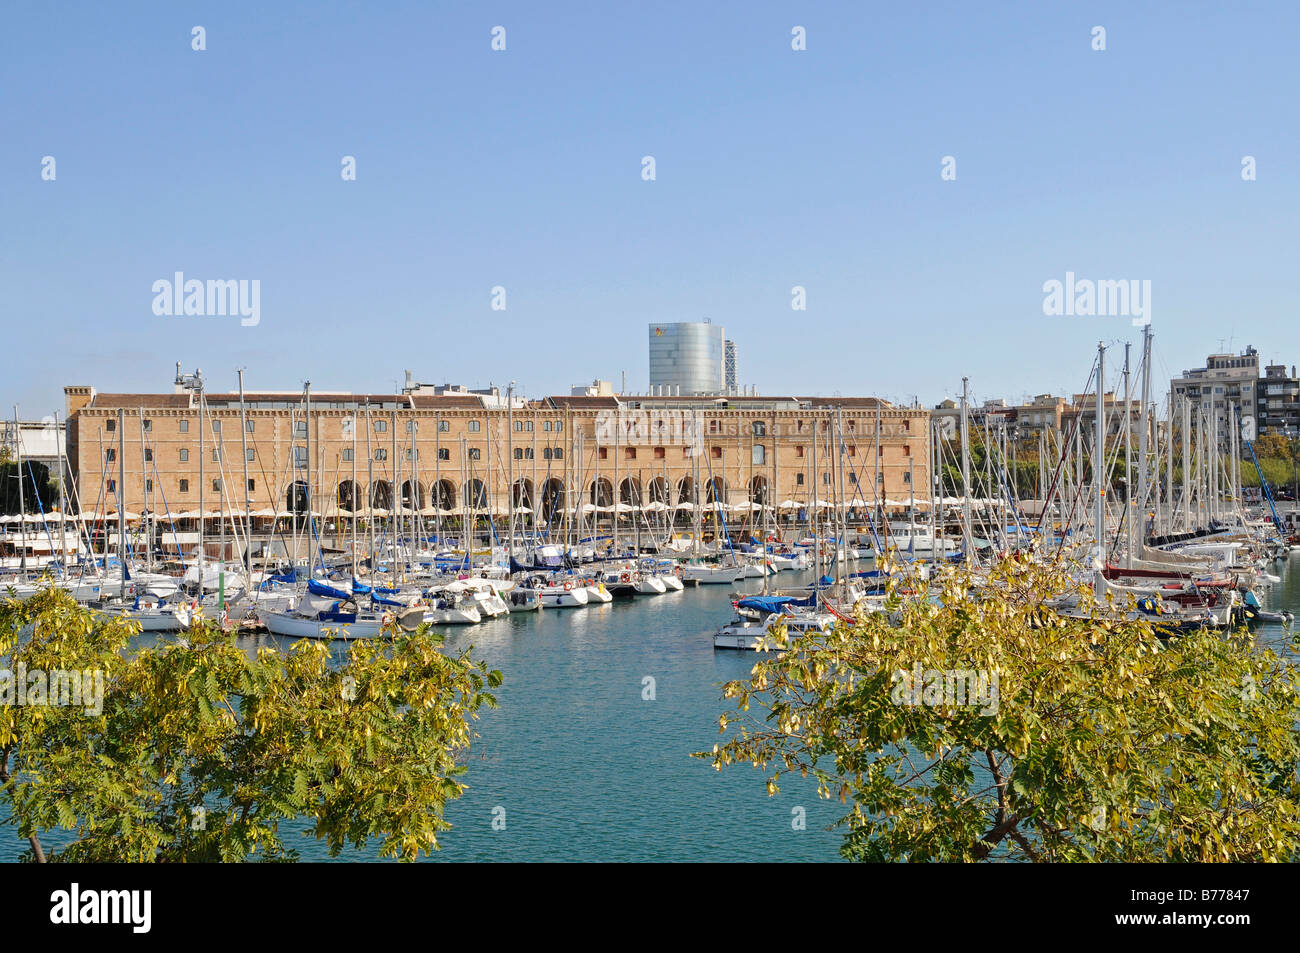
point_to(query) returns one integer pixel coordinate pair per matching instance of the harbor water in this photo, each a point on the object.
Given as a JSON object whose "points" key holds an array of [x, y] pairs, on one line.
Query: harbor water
{"points": [[586, 759]]}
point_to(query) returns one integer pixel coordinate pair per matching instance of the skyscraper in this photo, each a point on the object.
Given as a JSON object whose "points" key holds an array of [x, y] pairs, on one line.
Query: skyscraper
{"points": [[729, 380], [686, 358]]}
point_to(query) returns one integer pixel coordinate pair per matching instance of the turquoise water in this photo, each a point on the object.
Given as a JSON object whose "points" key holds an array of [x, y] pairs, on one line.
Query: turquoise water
{"points": [[587, 770]]}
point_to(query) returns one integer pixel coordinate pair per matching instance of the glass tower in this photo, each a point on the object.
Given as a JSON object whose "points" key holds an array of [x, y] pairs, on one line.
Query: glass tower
{"points": [[686, 358]]}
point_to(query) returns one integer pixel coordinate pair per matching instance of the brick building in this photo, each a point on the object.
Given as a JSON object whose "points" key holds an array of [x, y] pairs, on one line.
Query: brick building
{"points": [[457, 452]]}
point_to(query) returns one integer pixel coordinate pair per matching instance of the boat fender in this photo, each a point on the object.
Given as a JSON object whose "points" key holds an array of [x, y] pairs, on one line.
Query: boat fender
{"points": [[568, 585]]}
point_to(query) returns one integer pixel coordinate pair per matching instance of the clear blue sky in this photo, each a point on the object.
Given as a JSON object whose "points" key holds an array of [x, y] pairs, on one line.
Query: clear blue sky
{"points": [[522, 169]]}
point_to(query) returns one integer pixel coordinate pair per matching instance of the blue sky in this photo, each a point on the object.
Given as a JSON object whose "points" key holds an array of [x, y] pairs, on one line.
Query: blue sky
{"points": [[522, 169]]}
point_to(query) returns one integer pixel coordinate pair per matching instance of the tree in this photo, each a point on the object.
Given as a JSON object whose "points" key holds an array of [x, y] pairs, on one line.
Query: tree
{"points": [[201, 751], [1095, 738], [37, 485]]}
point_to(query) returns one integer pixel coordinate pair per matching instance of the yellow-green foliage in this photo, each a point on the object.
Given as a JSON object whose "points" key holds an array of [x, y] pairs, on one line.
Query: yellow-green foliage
{"points": [[1107, 743], [203, 751]]}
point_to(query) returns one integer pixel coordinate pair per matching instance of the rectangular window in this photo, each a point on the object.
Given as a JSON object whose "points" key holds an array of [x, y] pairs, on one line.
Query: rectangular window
{"points": [[473, 453], [444, 426], [216, 455], [629, 453], [148, 455], [411, 427], [300, 427], [798, 479], [659, 453], [412, 454], [546, 426], [252, 484], [519, 426], [381, 426], [347, 454], [717, 453], [472, 426], [559, 453], [111, 424], [381, 454], [248, 426], [444, 453], [759, 455], [183, 425], [148, 486], [798, 451], [185, 486], [603, 453], [216, 426], [147, 424], [300, 457], [528, 453], [519, 453], [528, 426], [250, 454], [546, 453], [216, 486], [110, 455]]}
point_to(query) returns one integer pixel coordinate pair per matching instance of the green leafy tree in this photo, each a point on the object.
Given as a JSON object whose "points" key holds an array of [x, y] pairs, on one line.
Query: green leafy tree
{"points": [[204, 752], [1105, 741]]}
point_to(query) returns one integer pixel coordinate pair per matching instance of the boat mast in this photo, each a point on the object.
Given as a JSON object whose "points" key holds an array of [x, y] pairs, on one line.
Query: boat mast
{"points": [[1128, 463], [395, 515], [121, 495], [370, 495], [311, 535], [248, 498], [198, 386], [1099, 453], [968, 541], [63, 503], [813, 512], [22, 505], [354, 502], [510, 470]]}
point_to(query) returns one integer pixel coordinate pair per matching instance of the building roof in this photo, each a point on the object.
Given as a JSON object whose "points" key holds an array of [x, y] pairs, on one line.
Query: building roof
{"points": [[446, 401], [850, 402], [133, 401], [583, 403]]}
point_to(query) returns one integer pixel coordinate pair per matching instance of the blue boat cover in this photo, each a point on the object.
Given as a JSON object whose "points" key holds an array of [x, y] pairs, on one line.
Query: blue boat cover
{"points": [[766, 603], [318, 588]]}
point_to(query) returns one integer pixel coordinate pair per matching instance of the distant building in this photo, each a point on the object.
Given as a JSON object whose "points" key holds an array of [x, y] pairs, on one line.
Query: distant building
{"points": [[686, 359], [453, 450], [1278, 404], [1227, 383], [41, 441], [596, 388], [729, 379]]}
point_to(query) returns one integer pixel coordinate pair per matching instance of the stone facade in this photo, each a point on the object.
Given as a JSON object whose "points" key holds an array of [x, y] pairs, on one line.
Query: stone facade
{"points": [[557, 452]]}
